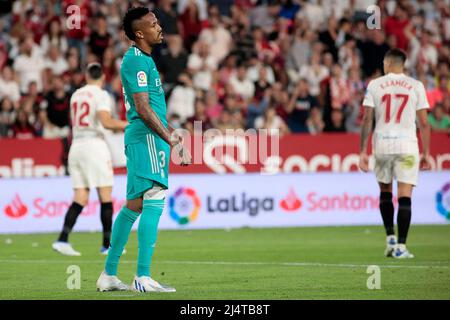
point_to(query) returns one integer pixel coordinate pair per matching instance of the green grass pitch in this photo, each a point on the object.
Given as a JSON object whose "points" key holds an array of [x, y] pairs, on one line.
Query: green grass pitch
{"points": [[288, 263]]}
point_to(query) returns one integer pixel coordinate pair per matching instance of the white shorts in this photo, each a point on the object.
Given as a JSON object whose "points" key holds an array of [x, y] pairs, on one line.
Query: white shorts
{"points": [[402, 167], [90, 164]]}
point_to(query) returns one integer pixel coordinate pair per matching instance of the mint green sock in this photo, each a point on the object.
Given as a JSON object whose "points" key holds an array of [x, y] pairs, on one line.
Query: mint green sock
{"points": [[119, 237], [147, 232]]}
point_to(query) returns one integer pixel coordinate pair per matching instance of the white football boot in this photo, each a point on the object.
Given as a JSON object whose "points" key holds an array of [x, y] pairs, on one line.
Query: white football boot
{"points": [[104, 251], [110, 283], [401, 252], [65, 248], [147, 284], [391, 242]]}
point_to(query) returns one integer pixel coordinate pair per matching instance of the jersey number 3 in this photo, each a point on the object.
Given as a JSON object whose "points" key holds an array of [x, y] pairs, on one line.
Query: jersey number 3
{"points": [[386, 100], [80, 120]]}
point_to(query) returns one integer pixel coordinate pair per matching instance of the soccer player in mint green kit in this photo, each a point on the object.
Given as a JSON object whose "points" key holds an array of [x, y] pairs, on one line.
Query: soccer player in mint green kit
{"points": [[148, 140]]}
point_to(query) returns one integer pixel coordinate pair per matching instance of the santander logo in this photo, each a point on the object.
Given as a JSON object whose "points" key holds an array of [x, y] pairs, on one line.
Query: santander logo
{"points": [[291, 202], [16, 209]]}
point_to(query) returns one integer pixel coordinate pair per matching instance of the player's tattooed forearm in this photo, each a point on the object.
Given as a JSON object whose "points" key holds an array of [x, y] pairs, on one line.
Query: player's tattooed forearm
{"points": [[149, 116], [366, 128]]}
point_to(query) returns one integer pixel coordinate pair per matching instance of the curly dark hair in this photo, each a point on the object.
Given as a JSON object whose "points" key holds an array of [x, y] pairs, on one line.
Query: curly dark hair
{"points": [[133, 14]]}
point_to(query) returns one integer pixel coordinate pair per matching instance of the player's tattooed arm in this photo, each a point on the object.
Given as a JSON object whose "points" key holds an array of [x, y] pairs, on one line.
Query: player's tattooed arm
{"points": [[149, 116], [365, 133]]}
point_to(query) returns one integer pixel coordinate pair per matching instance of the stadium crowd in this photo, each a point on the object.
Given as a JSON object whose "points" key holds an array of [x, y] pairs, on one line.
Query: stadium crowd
{"points": [[296, 65]]}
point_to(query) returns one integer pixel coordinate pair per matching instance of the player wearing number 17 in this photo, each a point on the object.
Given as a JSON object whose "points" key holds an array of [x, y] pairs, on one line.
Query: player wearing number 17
{"points": [[148, 140], [396, 101]]}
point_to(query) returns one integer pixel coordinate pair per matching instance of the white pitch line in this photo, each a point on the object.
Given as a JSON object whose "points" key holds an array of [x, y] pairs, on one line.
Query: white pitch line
{"points": [[236, 263]]}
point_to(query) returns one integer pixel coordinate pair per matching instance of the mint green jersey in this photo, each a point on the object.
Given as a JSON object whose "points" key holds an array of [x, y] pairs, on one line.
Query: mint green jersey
{"points": [[138, 73], [147, 154]]}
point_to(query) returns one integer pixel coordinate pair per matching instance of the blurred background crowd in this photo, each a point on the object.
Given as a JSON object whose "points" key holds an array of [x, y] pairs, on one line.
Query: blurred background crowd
{"points": [[295, 65]]}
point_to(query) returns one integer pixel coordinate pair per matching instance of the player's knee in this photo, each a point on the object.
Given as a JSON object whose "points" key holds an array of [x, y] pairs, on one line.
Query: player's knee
{"points": [[134, 206], [81, 201]]}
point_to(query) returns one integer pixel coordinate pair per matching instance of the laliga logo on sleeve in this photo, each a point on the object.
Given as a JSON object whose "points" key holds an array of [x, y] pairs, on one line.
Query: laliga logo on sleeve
{"points": [[291, 202], [17, 209], [142, 79]]}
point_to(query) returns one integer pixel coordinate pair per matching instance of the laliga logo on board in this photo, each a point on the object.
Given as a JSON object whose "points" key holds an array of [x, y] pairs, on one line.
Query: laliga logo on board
{"points": [[443, 201], [291, 202], [184, 206], [16, 209]]}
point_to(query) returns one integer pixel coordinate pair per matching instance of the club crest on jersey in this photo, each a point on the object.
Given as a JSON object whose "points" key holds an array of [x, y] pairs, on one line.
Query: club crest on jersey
{"points": [[142, 79]]}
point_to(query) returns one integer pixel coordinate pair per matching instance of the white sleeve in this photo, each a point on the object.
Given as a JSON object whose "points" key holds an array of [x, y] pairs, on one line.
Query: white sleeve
{"points": [[104, 102], [422, 101], [369, 100]]}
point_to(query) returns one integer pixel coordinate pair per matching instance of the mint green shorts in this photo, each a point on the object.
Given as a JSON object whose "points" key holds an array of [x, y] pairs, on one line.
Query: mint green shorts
{"points": [[147, 165]]}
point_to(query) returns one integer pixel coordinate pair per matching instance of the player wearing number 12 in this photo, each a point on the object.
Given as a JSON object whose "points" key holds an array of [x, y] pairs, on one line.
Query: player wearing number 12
{"points": [[89, 157], [148, 140], [396, 101]]}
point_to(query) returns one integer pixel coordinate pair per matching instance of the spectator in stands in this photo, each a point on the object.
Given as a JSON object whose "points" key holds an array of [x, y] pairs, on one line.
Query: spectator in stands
{"points": [[329, 37], [243, 86], [192, 14], [299, 53], [438, 94], [173, 61], [7, 117], [446, 105], [22, 128], [224, 121], [395, 25], [279, 42], [217, 37], [77, 34], [182, 99], [8, 87], [438, 120], [259, 71], [213, 107], [300, 106], [263, 81], [257, 107], [110, 68], [373, 48], [55, 111], [54, 37], [55, 62], [201, 64], [272, 122], [199, 116], [167, 16], [100, 39], [29, 65], [34, 99], [314, 122], [348, 55], [337, 123], [315, 73]]}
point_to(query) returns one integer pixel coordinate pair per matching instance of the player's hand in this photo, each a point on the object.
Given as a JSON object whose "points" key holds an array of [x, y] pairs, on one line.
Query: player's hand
{"points": [[184, 155], [425, 163], [364, 162]]}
